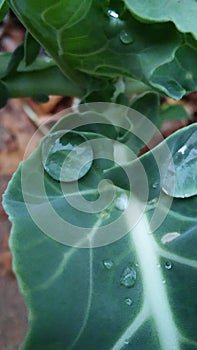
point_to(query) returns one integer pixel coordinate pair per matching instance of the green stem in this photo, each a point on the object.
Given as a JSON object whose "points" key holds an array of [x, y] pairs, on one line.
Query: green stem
{"points": [[48, 81]]}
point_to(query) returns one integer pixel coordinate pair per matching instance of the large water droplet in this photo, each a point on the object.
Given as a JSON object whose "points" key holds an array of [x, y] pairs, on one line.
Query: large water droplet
{"points": [[122, 201], [180, 175], [128, 277], [66, 156], [126, 37], [128, 301], [108, 264], [168, 265]]}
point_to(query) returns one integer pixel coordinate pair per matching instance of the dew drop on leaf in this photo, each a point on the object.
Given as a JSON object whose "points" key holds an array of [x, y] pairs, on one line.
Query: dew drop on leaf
{"points": [[122, 201], [155, 185], [164, 281], [151, 204], [108, 264], [128, 301], [128, 277], [168, 265], [168, 237], [126, 37], [66, 156], [126, 342]]}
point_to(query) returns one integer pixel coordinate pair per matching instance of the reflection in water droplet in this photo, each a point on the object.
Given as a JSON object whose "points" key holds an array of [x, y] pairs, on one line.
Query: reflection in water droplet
{"points": [[128, 277], [66, 156], [126, 37], [168, 237], [128, 301], [122, 201], [113, 13], [108, 264], [168, 265], [126, 342], [164, 281]]}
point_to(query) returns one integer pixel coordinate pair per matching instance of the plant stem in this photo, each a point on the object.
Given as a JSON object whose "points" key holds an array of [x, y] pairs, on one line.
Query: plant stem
{"points": [[48, 81]]}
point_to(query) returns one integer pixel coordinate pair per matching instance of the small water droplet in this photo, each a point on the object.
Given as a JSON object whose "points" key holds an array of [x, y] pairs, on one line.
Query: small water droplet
{"points": [[126, 37], [151, 204], [66, 156], [126, 342], [168, 265], [164, 281], [122, 201], [168, 237], [108, 264], [128, 277], [158, 265], [128, 301], [155, 185], [136, 264]]}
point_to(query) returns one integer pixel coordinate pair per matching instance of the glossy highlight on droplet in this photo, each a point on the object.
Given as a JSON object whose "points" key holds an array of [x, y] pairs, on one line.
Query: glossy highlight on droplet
{"points": [[168, 265], [66, 156]]}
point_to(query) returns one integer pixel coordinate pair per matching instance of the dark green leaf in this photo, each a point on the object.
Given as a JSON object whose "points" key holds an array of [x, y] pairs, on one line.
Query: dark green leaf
{"points": [[31, 49], [3, 9], [3, 94], [41, 98], [15, 60]]}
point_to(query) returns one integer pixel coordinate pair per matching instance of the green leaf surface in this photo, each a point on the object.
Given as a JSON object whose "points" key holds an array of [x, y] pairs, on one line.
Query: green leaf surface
{"points": [[136, 293], [183, 13], [116, 46]]}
